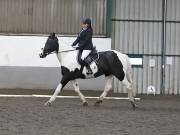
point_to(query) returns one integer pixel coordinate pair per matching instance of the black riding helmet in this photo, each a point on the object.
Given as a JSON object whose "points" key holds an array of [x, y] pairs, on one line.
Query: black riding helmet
{"points": [[87, 21]]}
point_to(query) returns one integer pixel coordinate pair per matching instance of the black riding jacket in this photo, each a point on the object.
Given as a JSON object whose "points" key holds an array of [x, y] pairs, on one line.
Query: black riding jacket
{"points": [[84, 39]]}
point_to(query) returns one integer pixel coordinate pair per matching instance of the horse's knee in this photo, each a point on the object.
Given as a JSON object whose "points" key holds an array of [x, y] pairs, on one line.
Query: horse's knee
{"points": [[77, 90], [76, 86], [108, 82], [127, 84], [108, 87], [130, 86]]}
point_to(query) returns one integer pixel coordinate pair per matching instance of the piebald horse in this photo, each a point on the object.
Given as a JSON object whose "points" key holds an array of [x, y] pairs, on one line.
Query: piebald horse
{"points": [[109, 63]]}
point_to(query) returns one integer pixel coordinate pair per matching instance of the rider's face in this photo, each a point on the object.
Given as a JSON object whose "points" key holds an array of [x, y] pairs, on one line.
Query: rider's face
{"points": [[84, 26]]}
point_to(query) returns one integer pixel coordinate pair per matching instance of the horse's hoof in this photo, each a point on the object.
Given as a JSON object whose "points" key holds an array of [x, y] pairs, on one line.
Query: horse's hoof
{"points": [[48, 103], [98, 102], [134, 106], [85, 104]]}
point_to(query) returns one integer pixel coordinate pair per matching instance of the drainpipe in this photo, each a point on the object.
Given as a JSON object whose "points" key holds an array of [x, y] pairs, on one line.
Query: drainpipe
{"points": [[163, 46], [108, 18]]}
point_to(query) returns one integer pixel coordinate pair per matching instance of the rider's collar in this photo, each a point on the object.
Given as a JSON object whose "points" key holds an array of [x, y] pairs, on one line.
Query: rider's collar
{"points": [[84, 28]]}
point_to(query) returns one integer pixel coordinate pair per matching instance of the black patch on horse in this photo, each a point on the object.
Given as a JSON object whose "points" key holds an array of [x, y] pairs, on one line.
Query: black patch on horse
{"points": [[70, 75], [109, 63]]}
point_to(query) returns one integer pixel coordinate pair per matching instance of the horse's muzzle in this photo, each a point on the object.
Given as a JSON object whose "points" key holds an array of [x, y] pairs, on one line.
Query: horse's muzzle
{"points": [[41, 55]]}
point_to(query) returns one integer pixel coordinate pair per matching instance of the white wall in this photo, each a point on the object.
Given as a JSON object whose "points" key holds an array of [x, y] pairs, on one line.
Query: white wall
{"points": [[24, 50], [21, 67]]}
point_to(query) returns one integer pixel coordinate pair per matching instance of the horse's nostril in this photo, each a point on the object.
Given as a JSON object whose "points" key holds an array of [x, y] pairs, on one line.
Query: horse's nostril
{"points": [[41, 55]]}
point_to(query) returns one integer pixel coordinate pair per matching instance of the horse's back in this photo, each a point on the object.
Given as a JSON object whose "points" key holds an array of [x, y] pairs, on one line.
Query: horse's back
{"points": [[112, 62], [123, 58]]}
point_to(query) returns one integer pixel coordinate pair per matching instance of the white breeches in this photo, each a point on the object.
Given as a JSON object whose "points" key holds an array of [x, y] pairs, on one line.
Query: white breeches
{"points": [[85, 53]]}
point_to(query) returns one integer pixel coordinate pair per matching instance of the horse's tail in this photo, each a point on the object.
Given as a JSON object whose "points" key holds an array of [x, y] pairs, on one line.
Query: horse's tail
{"points": [[129, 75]]}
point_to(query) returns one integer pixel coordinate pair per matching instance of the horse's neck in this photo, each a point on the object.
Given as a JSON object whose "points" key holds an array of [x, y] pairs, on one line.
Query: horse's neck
{"points": [[67, 57], [64, 47]]}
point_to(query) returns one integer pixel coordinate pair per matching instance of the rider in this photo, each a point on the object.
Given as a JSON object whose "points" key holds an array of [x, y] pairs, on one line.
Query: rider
{"points": [[84, 41]]}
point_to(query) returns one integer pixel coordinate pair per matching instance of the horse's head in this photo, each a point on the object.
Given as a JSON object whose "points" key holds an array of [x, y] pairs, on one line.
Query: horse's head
{"points": [[51, 45]]}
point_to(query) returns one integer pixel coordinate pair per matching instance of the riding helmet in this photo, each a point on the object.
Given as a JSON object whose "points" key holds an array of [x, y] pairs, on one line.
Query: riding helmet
{"points": [[86, 21]]}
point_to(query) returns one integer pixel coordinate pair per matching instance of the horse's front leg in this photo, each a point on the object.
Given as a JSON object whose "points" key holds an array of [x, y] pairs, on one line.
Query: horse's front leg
{"points": [[65, 79], [76, 88], [107, 88], [53, 97]]}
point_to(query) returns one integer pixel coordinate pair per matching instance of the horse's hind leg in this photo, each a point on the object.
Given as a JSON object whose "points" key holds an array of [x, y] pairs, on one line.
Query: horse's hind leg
{"points": [[76, 88], [108, 86], [130, 92]]}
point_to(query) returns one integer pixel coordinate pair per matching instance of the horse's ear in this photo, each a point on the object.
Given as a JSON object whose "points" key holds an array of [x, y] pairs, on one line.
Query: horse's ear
{"points": [[53, 34]]}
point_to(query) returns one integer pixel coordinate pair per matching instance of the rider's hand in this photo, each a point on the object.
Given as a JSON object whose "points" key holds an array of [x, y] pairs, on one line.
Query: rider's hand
{"points": [[77, 48]]}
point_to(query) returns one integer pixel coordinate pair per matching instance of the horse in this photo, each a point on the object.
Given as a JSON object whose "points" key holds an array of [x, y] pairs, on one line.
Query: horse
{"points": [[109, 63]]}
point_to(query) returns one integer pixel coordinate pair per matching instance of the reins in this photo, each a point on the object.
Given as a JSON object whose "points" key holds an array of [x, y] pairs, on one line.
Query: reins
{"points": [[67, 51], [63, 51], [95, 60]]}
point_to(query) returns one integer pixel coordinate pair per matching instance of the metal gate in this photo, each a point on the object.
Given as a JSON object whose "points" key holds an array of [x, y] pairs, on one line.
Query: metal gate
{"points": [[151, 29]]}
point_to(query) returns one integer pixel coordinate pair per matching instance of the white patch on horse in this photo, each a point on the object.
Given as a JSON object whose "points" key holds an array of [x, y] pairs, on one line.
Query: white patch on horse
{"points": [[69, 61], [66, 59], [94, 69]]}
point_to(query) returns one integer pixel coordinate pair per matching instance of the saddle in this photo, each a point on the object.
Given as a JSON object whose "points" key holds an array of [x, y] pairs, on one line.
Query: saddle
{"points": [[92, 57]]}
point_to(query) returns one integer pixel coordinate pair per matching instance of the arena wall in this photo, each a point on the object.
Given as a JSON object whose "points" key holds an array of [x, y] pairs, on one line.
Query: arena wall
{"points": [[149, 29], [21, 67]]}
